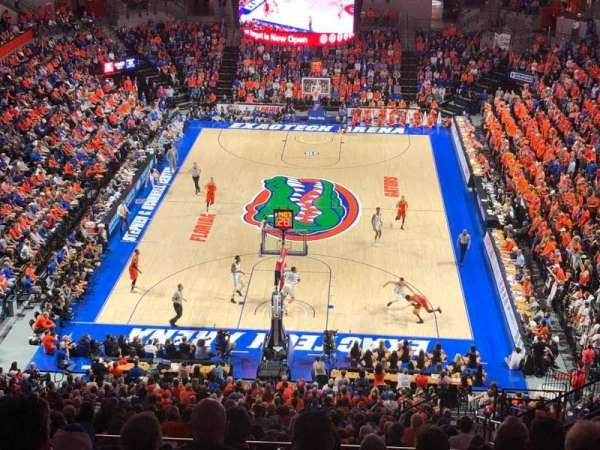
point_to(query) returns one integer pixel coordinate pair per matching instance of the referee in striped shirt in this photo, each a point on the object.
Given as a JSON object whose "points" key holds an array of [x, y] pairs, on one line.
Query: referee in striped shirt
{"points": [[177, 300], [464, 243]]}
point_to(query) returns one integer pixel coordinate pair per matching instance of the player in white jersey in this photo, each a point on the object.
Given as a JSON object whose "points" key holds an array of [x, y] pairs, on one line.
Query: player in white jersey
{"points": [[401, 290], [236, 278], [290, 279], [377, 223]]}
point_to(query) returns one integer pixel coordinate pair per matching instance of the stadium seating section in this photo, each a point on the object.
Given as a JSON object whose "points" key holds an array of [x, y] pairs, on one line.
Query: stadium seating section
{"points": [[72, 139]]}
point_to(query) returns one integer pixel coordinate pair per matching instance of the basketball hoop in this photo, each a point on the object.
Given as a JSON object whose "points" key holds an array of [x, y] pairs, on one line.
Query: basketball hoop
{"points": [[273, 241], [316, 87]]}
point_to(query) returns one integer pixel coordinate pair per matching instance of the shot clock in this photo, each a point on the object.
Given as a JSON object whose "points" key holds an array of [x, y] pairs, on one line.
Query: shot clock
{"points": [[283, 219]]}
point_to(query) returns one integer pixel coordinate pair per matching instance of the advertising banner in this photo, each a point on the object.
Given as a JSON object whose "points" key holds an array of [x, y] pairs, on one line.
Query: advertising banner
{"points": [[272, 36], [503, 291]]}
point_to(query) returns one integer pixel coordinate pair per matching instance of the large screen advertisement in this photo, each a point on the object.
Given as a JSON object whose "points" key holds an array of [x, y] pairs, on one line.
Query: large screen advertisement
{"points": [[300, 22]]}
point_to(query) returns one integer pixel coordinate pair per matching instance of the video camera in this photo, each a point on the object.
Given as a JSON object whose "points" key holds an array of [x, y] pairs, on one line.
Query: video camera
{"points": [[329, 346], [223, 334], [223, 346]]}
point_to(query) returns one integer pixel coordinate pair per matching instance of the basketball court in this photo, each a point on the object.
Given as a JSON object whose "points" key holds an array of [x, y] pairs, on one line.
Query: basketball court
{"points": [[336, 181]]}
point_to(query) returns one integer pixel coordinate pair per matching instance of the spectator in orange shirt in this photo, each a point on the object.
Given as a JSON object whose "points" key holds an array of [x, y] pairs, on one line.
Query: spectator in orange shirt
{"points": [[588, 356], [48, 341], [43, 323]]}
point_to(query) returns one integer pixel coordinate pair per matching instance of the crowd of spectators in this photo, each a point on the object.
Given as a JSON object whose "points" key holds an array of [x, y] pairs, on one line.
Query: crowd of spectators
{"points": [[225, 413], [237, 113], [404, 359], [67, 133], [452, 61], [533, 7], [64, 281], [162, 127], [120, 350], [364, 71], [71, 143], [55, 140], [189, 54], [65, 277], [14, 23], [372, 18], [409, 366], [524, 6], [535, 312], [511, 240], [545, 142]]}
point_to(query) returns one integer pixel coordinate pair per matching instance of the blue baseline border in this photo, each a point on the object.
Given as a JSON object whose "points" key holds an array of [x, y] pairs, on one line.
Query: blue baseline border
{"points": [[483, 306]]}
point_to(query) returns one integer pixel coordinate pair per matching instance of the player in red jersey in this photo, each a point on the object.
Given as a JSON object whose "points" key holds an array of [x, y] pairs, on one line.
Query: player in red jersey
{"points": [[211, 189], [418, 302], [280, 268], [401, 208], [134, 269]]}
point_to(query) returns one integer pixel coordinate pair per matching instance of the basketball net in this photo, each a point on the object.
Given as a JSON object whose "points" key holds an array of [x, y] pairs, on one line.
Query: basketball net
{"points": [[316, 94], [282, 259]]}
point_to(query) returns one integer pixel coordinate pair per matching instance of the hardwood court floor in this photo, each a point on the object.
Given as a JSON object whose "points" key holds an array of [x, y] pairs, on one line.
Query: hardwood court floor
{"points": [[342, 276]]}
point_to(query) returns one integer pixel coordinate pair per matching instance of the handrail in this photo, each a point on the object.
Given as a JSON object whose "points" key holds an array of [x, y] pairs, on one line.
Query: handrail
{"points": [[487, 419], [111, 437], [489, 426], [563, 398], [342, 445], [284, 443], [526, 390]]}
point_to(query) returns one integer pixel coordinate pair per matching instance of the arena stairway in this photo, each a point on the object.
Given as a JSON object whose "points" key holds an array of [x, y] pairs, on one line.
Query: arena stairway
{"points": [[181, 96], [458, 104], [469, 101], [227, 72], [408, 77], [147, 73], [497, 78]]}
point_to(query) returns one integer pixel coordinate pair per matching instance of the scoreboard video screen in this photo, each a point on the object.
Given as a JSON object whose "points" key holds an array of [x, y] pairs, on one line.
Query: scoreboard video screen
{"points": [[300, 16]]}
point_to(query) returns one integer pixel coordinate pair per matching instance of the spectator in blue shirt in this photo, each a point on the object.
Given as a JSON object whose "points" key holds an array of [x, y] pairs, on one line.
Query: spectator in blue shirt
{"points": [[8, 273], [202, 351], [219, 373], [554, 168], [52, 267], [27, 284], [590, 170], [136, 372]]}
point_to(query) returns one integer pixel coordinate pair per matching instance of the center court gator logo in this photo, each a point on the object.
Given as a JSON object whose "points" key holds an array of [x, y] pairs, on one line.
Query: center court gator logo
{"points": [[322, 208]]}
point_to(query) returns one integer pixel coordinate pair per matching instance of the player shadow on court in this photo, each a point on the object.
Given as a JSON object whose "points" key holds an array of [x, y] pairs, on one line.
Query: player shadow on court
{"points": [[220, 298], [395, 315], [297, 309], [446, 263]]}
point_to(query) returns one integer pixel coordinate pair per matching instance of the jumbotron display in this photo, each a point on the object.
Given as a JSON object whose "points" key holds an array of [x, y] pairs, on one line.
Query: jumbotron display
{"points": [[298, 22]]}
